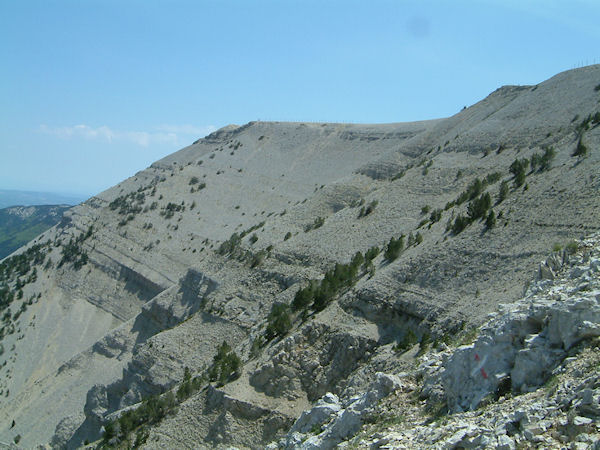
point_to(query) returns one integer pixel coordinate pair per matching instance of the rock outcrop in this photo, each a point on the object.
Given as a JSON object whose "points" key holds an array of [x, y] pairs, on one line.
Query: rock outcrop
{"points": [[530, 378]]}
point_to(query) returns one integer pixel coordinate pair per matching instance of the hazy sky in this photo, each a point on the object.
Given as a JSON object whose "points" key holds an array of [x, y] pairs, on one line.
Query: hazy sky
{"points": [[93, 91]]}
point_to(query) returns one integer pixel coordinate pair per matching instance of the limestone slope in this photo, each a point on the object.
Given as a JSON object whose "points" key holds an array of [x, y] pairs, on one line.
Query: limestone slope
{"points": [[152, 275]]}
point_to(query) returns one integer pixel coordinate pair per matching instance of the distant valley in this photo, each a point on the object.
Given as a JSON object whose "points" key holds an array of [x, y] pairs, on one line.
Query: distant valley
{"points": [[20, 224], [10, 197]]}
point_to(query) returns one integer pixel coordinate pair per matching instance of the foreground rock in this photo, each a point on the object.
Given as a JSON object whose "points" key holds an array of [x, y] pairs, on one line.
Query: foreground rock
{"points": [[530, 379]]}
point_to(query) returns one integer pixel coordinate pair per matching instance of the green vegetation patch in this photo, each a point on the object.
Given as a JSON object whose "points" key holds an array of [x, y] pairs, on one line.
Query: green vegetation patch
{"points": [[16, 230]]}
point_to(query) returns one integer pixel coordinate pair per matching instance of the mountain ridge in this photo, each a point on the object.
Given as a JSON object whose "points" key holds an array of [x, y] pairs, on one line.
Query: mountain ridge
{"points": [[151, 276]]}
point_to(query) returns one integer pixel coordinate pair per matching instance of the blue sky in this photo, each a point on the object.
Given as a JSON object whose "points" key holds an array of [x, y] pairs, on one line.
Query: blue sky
{"points": [[93, 91]]}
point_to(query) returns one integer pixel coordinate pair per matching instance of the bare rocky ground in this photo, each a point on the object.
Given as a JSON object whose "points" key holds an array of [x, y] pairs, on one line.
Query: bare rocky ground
{"points": [[529, 380], [147, 278]]}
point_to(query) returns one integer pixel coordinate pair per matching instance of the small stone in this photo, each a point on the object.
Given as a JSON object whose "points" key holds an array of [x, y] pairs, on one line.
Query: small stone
{"points": [[382, 441], [505, 443], [581, 421], [584, 437], [535, 429]]}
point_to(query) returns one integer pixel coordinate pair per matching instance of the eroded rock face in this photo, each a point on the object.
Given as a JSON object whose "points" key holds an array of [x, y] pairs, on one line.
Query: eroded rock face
{"points": [[529, 380], [332, 421], [64, 430], [312, 362], [165, 312], [522, 344]]}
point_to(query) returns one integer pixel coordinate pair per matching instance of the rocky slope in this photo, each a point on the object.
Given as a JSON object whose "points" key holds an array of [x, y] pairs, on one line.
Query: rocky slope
{"points": [[529, 380], [181, 284]]}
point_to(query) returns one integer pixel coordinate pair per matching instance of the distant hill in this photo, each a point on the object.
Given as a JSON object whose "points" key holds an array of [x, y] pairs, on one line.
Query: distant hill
{"points": [[20, 224], [10, 197]]}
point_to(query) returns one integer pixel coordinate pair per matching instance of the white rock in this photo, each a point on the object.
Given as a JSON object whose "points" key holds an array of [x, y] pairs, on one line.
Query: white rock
{"points": [[505, 443], [327, 407], [581, 421]]}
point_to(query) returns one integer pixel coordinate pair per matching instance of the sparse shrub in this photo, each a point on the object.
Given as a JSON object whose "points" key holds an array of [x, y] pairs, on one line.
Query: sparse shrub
{"points": [[394, 248], [304, 297], [478, 208], [426, 166], [460, 223], [542, 162], [469, 336], [225, 366], [398, 175], [151, 411], [185, 388], [473, 190], [492, 178], [169, 211], [572, 247], [584, 125], [357, 260], [371, 254], [418, 238], [436, 216], [287, 235], [365, 211], [518, 169], [229, 245], [424, 344], [278, 321], [425, 209], [316, 429], [321, 293], [597, 88], [503, 192], [194, 180], [408, 341], [258, 259], [74, 253], [490, 221], [581, 150], [318, 223], [253, 238]]}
